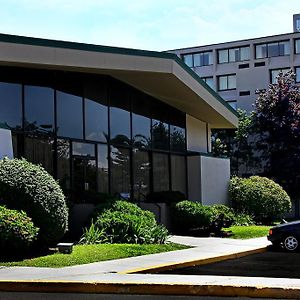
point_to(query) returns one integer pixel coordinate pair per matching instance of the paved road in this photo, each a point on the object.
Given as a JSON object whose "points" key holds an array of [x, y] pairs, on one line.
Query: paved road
{"points": [[269, 264]]}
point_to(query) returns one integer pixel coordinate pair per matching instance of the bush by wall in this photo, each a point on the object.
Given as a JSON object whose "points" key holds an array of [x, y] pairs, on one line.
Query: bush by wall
{"points": [[259, 196], [125, 222], [28, 187], [17, 232]]}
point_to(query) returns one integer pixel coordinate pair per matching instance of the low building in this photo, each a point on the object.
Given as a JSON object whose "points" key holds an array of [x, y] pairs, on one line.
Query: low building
{"points": [[112, 120]]}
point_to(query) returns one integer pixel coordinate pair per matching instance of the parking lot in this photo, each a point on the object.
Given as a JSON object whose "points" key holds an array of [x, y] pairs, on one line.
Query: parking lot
{"points": [[269, 264]]}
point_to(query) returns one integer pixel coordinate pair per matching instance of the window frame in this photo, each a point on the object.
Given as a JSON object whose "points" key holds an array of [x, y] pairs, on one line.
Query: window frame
{"points": [[228, 61], [227, 76], [201, 59], [267, 44]]}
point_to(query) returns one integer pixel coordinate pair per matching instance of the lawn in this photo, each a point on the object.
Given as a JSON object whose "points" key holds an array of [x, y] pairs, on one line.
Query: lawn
{"points": [[84, 254], [247, 232]]}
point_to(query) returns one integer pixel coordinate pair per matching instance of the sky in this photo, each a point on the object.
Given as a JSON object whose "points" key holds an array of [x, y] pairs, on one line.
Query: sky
{"points": [[150, 25]]}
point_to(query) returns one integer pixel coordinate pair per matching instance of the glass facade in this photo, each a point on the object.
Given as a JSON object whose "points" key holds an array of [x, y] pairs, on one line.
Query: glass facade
{"points": [[93, 133], [272, 49]]}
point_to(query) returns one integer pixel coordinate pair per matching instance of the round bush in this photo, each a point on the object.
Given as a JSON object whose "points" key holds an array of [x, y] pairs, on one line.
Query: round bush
{"points": [[260, 197], [28, 187], [17, 232]]}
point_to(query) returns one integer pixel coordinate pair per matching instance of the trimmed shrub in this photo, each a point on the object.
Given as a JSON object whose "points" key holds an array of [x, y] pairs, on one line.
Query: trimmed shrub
{"points": [[168, 197], [259, 196], [223, 217], [125, 222], [17, 232], [28, 187], [243, 219]]}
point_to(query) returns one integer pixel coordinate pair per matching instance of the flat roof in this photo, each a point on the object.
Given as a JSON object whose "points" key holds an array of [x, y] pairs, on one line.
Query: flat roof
{"points": [[162, 75]]}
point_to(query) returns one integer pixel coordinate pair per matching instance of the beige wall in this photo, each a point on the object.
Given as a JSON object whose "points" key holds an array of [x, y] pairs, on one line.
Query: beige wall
{"points": [[196, 134]]}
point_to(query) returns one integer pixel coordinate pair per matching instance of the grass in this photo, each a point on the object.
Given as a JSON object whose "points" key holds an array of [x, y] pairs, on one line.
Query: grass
{"points": [[84, 254], [247, 232]]}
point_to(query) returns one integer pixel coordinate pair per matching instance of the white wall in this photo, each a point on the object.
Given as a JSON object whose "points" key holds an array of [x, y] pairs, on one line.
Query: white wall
{"points": [[6, 148]]}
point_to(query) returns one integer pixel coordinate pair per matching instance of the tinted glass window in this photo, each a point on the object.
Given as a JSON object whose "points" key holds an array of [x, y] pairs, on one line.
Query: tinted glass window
{"points": [[69, 115], [141, 130], [273, 49], [102, 179], [120, 171], [96, 121], [160, 135], [119, 126], [39, 109], [83, 149], [177, 135], [178, 168], [11, 105], [141, 174], [160, 172], [63, 164]]}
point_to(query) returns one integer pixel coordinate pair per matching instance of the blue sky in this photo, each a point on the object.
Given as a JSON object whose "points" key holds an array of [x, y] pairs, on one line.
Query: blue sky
{"points": [[144, 24]]}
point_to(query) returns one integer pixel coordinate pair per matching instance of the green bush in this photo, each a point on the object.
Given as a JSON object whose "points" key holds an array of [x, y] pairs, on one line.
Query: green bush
{"points": [[125, 222], [17, 232], [168, 197], [259, 196], [243, 219], [28, 187]]}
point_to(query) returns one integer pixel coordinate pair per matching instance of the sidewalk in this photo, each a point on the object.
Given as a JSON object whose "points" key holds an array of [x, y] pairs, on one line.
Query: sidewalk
{"points": [[120, 276]]}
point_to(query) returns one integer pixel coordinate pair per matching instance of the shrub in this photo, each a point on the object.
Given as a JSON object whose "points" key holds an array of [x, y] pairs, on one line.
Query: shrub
{"points": [[223, 217], [127, 223], [28, 187], [92, 235], [189, 215], [168, 197], [17, 232], [243, 219], [259, 196]]}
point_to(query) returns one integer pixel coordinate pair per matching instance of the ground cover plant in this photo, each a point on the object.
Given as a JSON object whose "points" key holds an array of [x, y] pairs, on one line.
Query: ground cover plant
{"points": [[247, 232], [84, 254]]}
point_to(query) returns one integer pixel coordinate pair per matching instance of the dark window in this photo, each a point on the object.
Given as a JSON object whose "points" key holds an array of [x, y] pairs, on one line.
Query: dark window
{"points": [[141, 131], [244, 93], [177, 130], [102, 169], [39, 109], [161, 172], [120, 171], [11, 105], [244, 66], [69, 115], [160, 135], [83, 149], [39, 151], [259, 64], [63, 164], [178, 168], [141, 174], [297, 46]]}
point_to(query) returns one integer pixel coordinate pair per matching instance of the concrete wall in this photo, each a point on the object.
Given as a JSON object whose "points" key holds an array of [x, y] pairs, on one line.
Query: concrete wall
{"points": [[208, 179], [160, 210], [6, 147], [196, 134]]}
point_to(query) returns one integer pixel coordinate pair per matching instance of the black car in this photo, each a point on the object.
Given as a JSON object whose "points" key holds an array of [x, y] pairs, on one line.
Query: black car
{"points": [[286, 235]]}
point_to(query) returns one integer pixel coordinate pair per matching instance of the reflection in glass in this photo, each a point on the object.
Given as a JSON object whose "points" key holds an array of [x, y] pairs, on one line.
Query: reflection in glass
{"points": [[178, 168], [39, 151], [69, 115], [141, 131], [96, 121], [160, 135], [39, 109], [120, 171], [160, 172], [177, 138], [141, 179], [83, 149], [102, 169], [119, 126], [63, 164], [11, 105]]}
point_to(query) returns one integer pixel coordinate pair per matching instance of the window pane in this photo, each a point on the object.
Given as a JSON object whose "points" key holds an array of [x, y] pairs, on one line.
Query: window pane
{"points": [[96, 121], [40, 151], [207, 58], [222, 56], [197, 60], [231, 82], [83, 149], [39, 109], [233, 104], [275, 73], [284, 48], [141, 130], [160, 172], [11, 105], [141, 174], [273, 49], [298, 74], [119, 126], [178, 167], [63, 164], [188, 59], [234, 55], [297, 47], [102, 179], [177, 135], [160, 135], [209, 81], [69, 115], [120, 171], [261, 51], [245, 53], [210, 58], [223, 83]]}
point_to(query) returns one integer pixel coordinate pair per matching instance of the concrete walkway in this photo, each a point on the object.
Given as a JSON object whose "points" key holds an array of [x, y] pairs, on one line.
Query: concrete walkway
{"points": [[122, 276]]}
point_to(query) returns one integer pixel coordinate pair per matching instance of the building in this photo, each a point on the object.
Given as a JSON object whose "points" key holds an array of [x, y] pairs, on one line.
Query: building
{"points": [[112, 120], [236, 70]]}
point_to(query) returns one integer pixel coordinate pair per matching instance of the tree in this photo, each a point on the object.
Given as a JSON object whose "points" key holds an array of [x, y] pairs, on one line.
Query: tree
{"points": [[276, 121]]}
